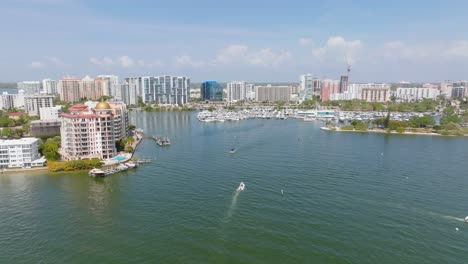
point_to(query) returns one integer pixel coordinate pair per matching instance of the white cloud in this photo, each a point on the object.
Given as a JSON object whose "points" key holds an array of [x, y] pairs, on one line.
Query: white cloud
{"points": [[339, 49], [56, 61], [126, 61], [36, 65], [242, 54], [153, 64], [232, 53], [266, 57], [458, 48], [184, 60], [106, 61], [305, 41]]}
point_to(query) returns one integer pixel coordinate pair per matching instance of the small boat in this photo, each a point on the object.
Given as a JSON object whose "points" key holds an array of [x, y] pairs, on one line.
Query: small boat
{"points": [[232, 151], [241, 187], [97, 173], [466, 219], [131, 165], [162, 141], [122, 167]]}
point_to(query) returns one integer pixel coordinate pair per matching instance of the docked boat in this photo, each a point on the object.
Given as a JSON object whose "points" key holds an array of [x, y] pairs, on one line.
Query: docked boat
{"points": [[241, 187], [122, 167], [97, 173], [131, 165]]}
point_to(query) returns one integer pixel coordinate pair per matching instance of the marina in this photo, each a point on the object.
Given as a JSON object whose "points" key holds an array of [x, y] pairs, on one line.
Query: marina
{"points": [[223, 115]]}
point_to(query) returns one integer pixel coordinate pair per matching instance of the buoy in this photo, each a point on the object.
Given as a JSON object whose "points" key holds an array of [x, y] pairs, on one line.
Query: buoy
{"points": [[456, 228]]}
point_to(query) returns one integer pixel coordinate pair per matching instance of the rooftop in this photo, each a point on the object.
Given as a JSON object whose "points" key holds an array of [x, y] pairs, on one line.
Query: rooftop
{"points": [[21, 141]]}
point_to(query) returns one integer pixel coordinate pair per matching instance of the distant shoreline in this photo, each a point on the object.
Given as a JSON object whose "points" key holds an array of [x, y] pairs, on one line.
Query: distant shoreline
{"points": [[391, 132]]}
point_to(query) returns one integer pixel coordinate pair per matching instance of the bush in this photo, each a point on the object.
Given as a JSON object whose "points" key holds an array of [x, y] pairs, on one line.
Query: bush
{"points": [[347, 127], [85, 164], [400, 130]]}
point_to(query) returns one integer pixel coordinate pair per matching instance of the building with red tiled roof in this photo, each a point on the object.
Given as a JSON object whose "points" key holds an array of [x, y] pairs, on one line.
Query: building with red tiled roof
{"points": [[90, 131]]}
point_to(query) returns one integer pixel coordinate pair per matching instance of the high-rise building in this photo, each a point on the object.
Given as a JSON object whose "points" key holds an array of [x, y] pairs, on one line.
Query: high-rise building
{"points": [[75, 89], [113, 81], [127, 93], [329, 87], [463, 84], [30, 87], [306, 89], [162, 89], [458, 91], [91, 131], [446, 89], [49, 86], [20, 153], [272, 93], [343, 83], [8, 101], [69, 89], [35, 102], [236, 91], [211, 91]]}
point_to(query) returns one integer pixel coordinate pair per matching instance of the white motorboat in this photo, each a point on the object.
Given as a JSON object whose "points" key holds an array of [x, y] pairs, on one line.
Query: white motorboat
{"points": [[97, 173], [241, 187], [122, 167], [466, 219], [131, 165]]}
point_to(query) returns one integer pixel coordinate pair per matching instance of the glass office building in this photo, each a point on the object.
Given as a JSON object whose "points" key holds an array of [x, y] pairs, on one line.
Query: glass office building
{"points": [[211, 91]]}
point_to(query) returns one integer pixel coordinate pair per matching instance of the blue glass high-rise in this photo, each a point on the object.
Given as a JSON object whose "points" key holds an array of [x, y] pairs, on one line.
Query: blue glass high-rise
{"points": [[211, 91]]}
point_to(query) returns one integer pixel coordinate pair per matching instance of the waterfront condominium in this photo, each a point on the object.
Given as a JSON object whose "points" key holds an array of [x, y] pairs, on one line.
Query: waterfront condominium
{"points": [[161, 89], [211, 91], [32, 103], [272, 93], [236, 91], [20, 153], [91, 130]]}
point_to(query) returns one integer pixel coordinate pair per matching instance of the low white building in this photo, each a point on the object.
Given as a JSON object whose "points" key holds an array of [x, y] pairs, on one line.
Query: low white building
{"points": [[20, 153], [50, 113]]}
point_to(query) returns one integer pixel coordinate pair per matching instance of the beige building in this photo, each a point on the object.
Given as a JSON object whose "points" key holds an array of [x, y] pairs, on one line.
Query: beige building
{"points": [[375, 94], [91, 130], [273, 93], [75, 89]]}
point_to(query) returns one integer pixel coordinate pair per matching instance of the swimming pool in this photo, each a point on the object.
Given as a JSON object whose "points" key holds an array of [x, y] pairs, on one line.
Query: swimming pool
{"points": [[118, 158]]}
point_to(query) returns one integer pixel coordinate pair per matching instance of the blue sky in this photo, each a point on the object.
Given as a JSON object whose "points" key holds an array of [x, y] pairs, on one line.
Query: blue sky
{"points": [[267, 41]]}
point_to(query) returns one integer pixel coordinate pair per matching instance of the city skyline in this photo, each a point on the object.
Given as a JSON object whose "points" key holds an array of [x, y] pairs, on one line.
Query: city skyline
{"points": [[383, 42]]}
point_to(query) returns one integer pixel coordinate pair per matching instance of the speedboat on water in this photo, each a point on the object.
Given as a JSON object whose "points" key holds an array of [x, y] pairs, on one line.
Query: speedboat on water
{"points": [[466, 219], [232, 151], [241, 187]]}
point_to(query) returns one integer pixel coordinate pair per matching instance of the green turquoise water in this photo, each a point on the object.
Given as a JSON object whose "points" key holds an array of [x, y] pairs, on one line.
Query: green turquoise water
{"points": [[347, 198]]}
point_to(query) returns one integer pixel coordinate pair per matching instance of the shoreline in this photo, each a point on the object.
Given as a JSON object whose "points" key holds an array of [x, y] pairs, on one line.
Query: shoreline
{"points": [[391, 132], [36, 169]]}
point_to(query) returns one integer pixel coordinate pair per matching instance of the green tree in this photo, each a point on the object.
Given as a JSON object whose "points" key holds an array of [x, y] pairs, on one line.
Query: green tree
{"points": [[50, 150], [449, 110], [450, 119], [423, 121]]}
